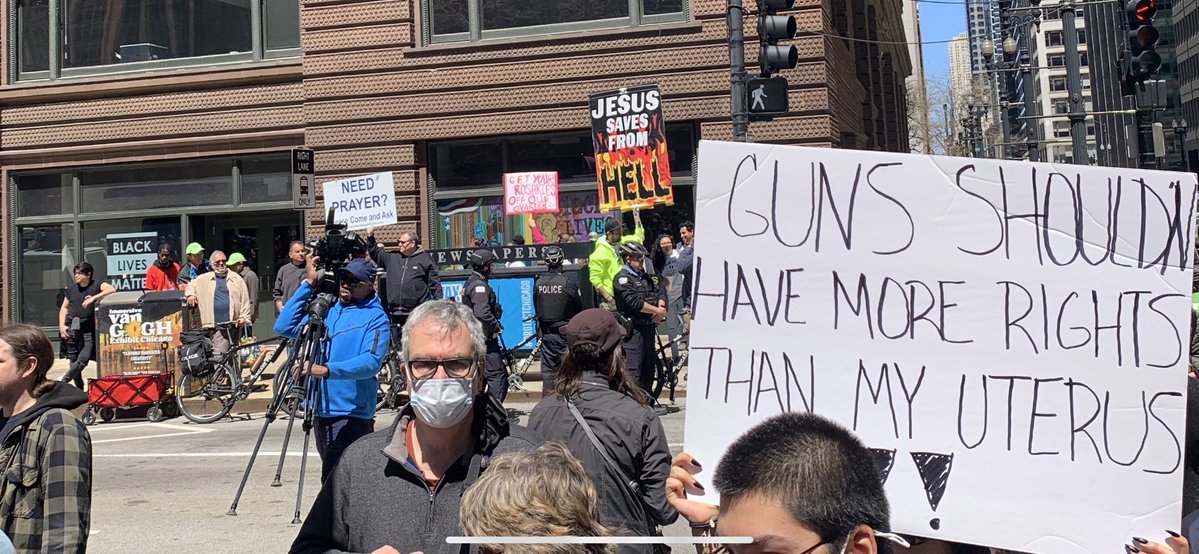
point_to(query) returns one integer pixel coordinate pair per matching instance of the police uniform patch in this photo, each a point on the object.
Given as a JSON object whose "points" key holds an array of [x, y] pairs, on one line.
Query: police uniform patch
{"points": [[480, 288], [623, 280]]}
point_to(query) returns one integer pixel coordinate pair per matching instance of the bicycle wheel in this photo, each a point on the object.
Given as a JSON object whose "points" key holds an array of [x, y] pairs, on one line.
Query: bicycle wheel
{"points": [[391, 384], [208, 398]]}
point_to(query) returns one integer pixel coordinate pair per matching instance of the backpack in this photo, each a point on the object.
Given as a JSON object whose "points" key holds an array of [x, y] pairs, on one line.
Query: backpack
{"points": [[195, 351]]}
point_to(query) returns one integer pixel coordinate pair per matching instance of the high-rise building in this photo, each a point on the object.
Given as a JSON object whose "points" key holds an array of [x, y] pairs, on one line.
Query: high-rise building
{"points": [[1049, 55], [961, 82], [919, 122], [1186, 32]]}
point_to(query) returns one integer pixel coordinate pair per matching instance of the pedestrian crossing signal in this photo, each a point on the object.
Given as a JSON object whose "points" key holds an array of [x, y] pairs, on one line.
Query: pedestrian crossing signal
{"points": [[767, 96]]}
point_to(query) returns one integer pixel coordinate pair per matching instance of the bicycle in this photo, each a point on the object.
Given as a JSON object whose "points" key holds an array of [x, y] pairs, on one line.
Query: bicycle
{"points": [[517, 369], [668, 366], [209, 397], [391, 374]]}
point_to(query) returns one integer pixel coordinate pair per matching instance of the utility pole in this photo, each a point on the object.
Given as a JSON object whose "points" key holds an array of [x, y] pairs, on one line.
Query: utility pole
{"points": [[1078, 116], [1032, 133], [736, 14]]}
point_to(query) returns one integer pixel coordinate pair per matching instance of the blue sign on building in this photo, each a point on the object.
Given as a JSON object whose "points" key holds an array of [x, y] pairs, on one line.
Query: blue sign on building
{"points": [[515, 294]]}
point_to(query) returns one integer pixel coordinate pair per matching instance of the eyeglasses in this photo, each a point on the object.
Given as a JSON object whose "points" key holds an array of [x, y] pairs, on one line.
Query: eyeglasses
{"points": [[349, 282], [408, 242], [457, 368], [724, 548], [218, 262]]}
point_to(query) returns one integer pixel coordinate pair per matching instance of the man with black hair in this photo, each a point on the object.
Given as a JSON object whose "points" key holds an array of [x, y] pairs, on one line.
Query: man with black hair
{"points": [[480, 298], [794, 483], [77, 320], [686, 249]]}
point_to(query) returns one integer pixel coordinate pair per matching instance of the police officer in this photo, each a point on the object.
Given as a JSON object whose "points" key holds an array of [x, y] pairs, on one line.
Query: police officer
{"points": [[644, 305], [556, 299], [477, 294]]}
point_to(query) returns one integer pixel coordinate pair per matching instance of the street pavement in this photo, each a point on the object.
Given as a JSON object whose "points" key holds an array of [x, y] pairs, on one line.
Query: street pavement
{"points": [[167, 486]]}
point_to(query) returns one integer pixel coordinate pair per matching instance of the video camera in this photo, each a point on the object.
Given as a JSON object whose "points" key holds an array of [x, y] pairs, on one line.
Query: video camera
{"points": [[338, 246]]}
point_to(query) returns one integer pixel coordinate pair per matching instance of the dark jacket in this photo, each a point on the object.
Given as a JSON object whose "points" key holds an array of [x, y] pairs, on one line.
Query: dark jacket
{"points": [[556, 299], [410, 279], [46, 457], [287, 281], [632, 289], [635, 440], [478, 295], [376, 497]]}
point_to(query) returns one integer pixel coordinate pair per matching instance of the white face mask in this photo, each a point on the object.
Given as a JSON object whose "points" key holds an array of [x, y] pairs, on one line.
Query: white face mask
{"points": [[442, 403]]}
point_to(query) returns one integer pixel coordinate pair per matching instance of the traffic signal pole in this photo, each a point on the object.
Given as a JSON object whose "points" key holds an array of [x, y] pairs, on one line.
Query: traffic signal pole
{"points": [[1077, 116], [736, 15]]}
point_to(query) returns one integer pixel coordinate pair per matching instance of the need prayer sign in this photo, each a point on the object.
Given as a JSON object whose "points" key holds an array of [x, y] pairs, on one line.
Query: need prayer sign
{"points": [[1010, 339]]}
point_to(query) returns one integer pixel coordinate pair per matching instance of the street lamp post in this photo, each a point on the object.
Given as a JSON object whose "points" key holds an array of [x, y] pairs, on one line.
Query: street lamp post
{"points": [[1180, 131]]}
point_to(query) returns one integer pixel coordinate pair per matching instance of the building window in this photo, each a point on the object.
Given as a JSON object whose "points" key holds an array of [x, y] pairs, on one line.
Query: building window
{"points": [[103, 36], [1057, 84], [1053, 38], [1056, 60], [467, 178], [461, 20]]}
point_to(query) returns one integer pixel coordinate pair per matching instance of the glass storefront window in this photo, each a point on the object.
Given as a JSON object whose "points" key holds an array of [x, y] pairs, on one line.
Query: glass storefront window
{"points": [[266, 180], [124, 270], [470, 163], [107, 32], [46, 267], [463, 221], [450, 16], [45, 195], [33, 28], [282, 21], [452, 20], [199, 183], [482, 163]]}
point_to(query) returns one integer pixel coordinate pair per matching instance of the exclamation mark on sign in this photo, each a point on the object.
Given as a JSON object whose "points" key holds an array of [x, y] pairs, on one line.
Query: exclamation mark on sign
{"points": [[934, 472]]}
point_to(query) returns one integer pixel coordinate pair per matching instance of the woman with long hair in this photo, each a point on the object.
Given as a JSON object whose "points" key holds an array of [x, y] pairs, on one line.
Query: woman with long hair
{"points": [[604, 418]]}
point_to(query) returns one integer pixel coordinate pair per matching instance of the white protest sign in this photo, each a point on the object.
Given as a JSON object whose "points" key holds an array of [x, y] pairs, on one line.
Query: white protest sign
{"points": [[531, 193], [130, 253], [1011, 339], [361, 202]]}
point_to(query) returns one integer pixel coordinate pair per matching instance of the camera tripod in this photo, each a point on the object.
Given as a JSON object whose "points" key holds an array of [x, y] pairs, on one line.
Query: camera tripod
{"points": [[294, 391]]}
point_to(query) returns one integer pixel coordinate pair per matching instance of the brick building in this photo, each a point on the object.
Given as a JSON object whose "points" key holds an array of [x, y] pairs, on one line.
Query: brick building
{"points": [[173, 119]]}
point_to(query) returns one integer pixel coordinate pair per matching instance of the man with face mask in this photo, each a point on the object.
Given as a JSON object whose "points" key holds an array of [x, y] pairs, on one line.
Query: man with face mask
{"points": [[478, 296], [356, 341], [402, 487], [163, 274], [221, 296]]}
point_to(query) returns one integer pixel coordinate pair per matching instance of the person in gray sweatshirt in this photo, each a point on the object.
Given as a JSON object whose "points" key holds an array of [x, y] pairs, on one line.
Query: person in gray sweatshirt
{"points": [[289, 276], [402, 487]]}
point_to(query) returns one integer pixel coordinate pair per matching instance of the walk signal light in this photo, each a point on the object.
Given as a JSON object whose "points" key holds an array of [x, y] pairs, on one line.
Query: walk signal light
{"points": [[1143, 59], [771, 29]]}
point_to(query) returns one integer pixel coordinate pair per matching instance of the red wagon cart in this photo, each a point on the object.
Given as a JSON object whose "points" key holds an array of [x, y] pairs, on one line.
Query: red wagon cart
{"points": [[108, 394], [136, 355]]}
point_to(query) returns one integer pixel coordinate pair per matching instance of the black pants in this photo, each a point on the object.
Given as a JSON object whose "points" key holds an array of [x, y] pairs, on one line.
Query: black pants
{"points": [[81, 348], [495, 372], [553, 347], [334, 435], [639, 355]]}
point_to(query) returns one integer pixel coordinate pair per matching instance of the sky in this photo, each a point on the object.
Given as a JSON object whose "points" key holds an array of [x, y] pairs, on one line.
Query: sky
{"points": [[940, 21]]}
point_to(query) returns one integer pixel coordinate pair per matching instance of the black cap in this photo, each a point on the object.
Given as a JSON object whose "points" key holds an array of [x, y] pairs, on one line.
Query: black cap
{"points": [[595, 327], [613, 224]]}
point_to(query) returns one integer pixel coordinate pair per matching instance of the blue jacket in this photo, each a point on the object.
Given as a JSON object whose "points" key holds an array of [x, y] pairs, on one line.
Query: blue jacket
{"points": [[357, 342]]}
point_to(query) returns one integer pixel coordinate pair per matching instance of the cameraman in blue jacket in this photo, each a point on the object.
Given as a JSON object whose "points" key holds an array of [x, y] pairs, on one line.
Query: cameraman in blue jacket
{"points": [[355, 344]]}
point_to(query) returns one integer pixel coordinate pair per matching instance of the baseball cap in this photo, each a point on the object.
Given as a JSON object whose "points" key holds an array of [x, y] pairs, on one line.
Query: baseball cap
{"points": [[361, 268], [194, 248], [613, 224], [596, 327], [235, 259]]}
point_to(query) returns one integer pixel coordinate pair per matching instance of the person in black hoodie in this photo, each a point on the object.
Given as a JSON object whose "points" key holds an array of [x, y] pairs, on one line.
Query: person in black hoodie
{"points": [[45, 453], [411, 276], [604, 418]]}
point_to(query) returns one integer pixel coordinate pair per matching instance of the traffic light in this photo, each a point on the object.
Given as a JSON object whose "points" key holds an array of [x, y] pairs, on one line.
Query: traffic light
{"points": [[771, 29], [1143, 60]]}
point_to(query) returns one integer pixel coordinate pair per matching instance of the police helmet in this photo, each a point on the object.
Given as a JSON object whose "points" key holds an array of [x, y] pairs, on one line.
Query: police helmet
{"points": [[552, 255], [632, 249], [480, 258]]}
